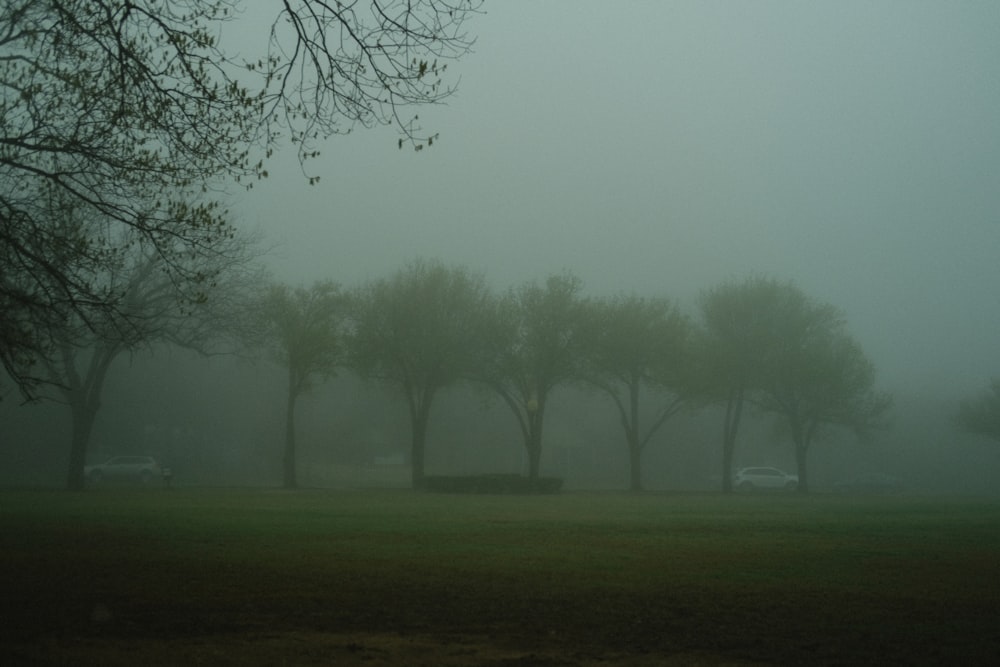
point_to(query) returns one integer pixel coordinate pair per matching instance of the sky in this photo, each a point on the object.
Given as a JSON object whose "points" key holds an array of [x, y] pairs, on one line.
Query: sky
{"points": [[661, 148]]}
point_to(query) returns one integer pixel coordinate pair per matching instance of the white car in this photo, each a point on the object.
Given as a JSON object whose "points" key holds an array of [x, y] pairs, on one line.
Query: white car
{"points": [[143, 469], [750, 479]]}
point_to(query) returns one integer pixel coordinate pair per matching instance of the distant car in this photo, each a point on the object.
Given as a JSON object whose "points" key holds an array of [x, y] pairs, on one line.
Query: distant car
{"points": [[761, 478], [874, 483], [142, 469]]}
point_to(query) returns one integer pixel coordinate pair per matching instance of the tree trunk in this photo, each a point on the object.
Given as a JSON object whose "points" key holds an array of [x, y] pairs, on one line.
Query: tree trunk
{"points": [[635, 463], [534, 463], [420, 417], [734, 409], [727, 465], [534, 466], [632, 434], [82, 425], [801, 440], [534, 444], [83, 393], [801, 449], [290, 480], [417, 454]]}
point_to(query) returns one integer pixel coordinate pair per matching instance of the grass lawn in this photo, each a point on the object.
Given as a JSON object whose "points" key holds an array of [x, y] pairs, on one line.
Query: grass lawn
{"points": [[245, 577]]}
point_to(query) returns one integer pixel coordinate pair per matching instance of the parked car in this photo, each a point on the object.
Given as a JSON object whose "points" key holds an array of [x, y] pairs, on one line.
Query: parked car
{"points": [[142, 469], [761, 478], [874, 483]]}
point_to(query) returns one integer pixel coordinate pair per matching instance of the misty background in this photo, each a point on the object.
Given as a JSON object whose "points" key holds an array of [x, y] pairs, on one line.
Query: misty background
{"points": [[655, 148], [852, 147]]}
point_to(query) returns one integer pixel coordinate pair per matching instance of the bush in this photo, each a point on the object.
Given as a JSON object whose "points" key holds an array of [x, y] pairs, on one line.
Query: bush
{"points": [[493, 483]]}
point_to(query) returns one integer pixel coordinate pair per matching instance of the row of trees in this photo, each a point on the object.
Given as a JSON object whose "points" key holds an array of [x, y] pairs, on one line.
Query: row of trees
{"points": [[121, 122], [120, 125], [756, 343], [759, 342]]}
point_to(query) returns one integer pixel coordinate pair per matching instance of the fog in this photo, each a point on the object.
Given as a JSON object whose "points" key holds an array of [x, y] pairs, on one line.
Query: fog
{"points": [[663, 147], [656, 148]]}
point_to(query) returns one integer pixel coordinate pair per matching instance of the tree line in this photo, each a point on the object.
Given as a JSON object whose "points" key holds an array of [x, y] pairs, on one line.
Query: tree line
{"points": [[753, 343], [756, 342], [122, 125]]}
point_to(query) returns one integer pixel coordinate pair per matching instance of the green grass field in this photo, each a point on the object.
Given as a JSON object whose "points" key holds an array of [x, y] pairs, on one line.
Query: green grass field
{"points": [[238, 577]]}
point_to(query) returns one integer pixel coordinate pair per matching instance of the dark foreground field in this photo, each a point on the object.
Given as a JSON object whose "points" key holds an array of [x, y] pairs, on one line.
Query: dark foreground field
{"points": [[187, 577]]}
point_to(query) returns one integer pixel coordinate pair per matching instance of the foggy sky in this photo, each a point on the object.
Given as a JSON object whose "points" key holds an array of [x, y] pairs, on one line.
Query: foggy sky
{"points": [[661, 148]]}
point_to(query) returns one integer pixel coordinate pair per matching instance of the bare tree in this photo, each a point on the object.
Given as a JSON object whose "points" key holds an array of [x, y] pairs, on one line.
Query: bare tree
{"points": [[123, 108]]}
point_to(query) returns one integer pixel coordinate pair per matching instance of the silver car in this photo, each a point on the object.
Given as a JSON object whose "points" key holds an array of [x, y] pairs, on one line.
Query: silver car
{"points": [[751, 479], [143, 469]]}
